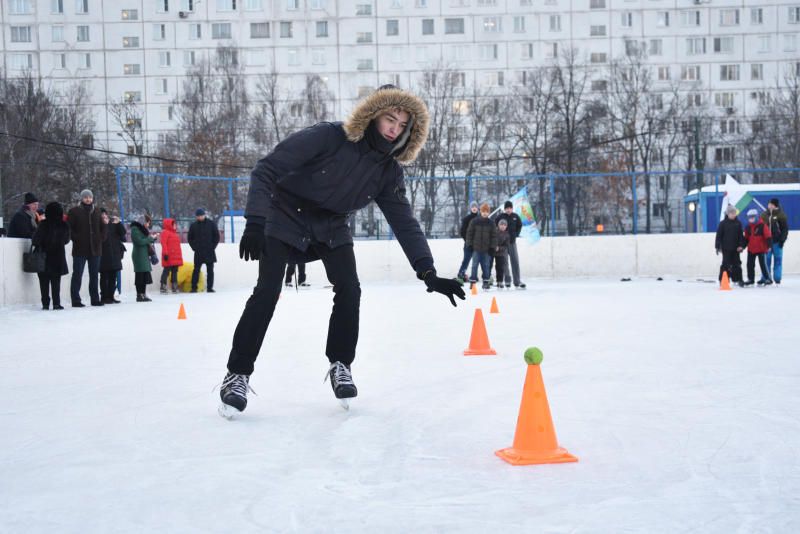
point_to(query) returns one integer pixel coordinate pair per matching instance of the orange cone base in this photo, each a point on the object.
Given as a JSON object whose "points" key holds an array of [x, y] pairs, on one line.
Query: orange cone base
{"points": [[517, 457], [480, 352]]}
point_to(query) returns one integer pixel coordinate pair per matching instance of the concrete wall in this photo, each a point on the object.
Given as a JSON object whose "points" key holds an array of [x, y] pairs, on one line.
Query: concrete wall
{"points": [[684, 255]]}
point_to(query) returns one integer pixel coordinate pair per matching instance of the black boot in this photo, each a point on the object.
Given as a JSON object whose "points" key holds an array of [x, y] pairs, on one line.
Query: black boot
{"points": [[163, 288], [342, 381], [233, 394]]}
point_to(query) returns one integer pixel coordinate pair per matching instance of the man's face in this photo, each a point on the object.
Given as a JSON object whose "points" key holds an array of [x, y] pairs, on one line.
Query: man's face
{"points": [[731, 215], [33, 206], [104, 216], [392, 123], [87, 200], [200, 218], [474, 209], [509, 210], [771, 207], [485, 214]]}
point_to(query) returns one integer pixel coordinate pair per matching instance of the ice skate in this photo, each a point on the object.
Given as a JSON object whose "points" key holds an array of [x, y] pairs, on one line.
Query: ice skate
{"points": [[163, 289], [342, 383], [233, 394], [486, 285]]}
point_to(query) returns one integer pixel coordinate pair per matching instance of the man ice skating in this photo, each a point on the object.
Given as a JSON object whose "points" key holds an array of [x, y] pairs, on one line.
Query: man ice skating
{"points": [[297, 209], [778, 224]]}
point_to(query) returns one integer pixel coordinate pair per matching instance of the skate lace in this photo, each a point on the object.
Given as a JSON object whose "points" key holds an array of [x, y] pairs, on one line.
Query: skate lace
{"points": [[341, 374], [238, 384]]}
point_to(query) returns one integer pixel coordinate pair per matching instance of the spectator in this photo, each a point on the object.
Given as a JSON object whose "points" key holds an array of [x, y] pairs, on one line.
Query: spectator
{"points": [[301, 273], [779, 228], [473, 212], [111, 258], [51, 236], [759, 240], [142, 241], [171, 255], [501, 253], [514, 228], [203, 238], [87, 231], [23, 222], [730, 242], [482, 238]]}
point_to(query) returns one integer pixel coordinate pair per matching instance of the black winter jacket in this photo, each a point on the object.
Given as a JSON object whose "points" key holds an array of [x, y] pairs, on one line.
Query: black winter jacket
{"points": [[482, 235], [51, 236], [203, 237], [87, 230], [22, 224], [514, 225], [111, 259], [503, 240], [465, 224], [730, 235]]}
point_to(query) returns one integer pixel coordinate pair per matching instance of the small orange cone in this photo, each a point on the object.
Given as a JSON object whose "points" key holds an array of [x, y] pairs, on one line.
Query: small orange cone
{"points": [[494, 308], [479, 339], [725, 284], [182, 313], [474, 289], [535, 437]]}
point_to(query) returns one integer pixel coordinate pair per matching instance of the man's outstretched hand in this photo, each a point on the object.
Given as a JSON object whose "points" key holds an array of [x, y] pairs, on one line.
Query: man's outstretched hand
{"points": [[445, 286], [252, 241]]}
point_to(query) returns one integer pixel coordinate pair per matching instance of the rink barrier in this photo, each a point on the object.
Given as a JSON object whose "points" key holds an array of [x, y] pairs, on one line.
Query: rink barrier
{"points": [[671, 255]]}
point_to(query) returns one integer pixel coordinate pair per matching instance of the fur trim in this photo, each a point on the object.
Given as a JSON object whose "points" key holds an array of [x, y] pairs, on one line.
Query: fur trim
{"points": [[379, 102]]}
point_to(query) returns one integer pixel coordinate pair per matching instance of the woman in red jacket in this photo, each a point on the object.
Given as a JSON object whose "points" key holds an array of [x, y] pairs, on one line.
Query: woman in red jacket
{"points": [[759, 241], [171, 256]]}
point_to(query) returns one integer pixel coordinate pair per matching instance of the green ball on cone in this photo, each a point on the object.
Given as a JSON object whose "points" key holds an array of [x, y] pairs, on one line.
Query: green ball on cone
{"points": [[533, 356]]}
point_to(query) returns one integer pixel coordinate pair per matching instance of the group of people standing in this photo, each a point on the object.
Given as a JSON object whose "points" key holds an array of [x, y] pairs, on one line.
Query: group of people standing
{"points": [[490, 240], [98, 241], [764, 237]]}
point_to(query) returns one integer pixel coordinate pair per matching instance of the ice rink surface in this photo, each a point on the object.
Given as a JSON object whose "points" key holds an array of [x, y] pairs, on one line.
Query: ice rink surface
{"points": [[682, 403]]}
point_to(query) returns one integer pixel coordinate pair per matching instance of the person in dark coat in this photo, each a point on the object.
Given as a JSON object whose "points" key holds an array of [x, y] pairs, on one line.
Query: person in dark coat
{"points": [[52, 234], [778, 224], [111, 258], [482, 238], [203, 239], [501, 254], [87, 231], [142, 240], [759, 239], [297, 210], [514, 228], [23, 222], [730, 242], [473, 212]]}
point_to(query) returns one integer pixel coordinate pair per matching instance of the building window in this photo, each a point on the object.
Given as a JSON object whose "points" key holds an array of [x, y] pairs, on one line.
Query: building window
{"points": [[551, 50], [286, 29], [486, 3], [20, 7], [492, 24], [294, 57], [694, 100], [162, 84], [396, 4], [599, 85], [166, 113], [317, 4], [255, 57], [452, 26], [164, 59], [794, 14], [427, 26], [363, 37], [132, 69], [397, 54], [187, 5], [597, 4], [253, 5], [632, 47], [392, 27], [487, 52], [756, 16], [519, 24], [764, 44], [317, 56], [690, 18], [21, 34], [162, 6], [363, 10], [60, 60], [81, 7], [132, 96], [221, 30], [723, 45], [20, 61], [494, 79], [130, 42], [322, 28], [57, 7], [662, 19], [695, 46], [159, 32], [789, 43], [292, 5], [597, 30], [730, 126], [656, 47], [725, 154], [526, 50], [555, 23], [364, 64], [422, 54], [729, 17], [690, 73], [130, 14], [227, 56], [189, 58], [598, 57], [195, 32], [724, 100], [226, 5], [259, 30], [626, 19], [663, 74], [83, 34]]}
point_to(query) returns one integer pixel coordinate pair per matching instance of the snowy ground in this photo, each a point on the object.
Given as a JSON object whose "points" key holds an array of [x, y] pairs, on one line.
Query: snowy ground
{"points": [[680, 400]]}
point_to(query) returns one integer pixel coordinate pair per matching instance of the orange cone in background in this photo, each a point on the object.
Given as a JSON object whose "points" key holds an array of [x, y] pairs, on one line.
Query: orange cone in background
{"points": [[535, 437], [725, 284], [474, 289], [182, 312], [479, 339], [494, 308]]}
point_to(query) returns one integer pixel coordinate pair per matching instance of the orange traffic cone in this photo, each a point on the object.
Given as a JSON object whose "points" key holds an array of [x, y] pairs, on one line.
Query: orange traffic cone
{"points": [[494, 308], [725, 284], [535, 438], [479, 339], [182, 312], [474, 288]]}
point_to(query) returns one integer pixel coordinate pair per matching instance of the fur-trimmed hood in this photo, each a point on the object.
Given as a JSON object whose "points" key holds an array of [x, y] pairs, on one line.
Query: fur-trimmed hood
{"points": [[381, 101]]}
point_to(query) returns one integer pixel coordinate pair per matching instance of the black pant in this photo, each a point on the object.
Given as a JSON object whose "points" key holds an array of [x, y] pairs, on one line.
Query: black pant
{"points": [[340, 267], [78, 264], [50, 284], [165, 274], [141, 280], [751, 266], [732, 263], [209, 275], [108, 285], [501, 266], [301, 272]]}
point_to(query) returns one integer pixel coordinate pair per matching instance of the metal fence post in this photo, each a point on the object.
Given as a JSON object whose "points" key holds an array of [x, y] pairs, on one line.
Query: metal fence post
{"points": [[166, 196], [118, 173], [717, 203], [635, 201], [230, 207], [552, 205]]}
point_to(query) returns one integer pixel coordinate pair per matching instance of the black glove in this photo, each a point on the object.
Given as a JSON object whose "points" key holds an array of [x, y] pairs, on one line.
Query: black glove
{"points": [[252, 242], [445, 286]]}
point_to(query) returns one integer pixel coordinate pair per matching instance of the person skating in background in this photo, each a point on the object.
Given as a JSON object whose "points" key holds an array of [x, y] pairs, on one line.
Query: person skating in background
{"points": [[24, 222], [501, 254], [759, 239], [482, 238], [203, 238], [111, 258], [301, 273], [87, 231], [779, 229], [171, 254], [52, 234], [730, 242], [142, 239], [473, 212], [514, 228]]}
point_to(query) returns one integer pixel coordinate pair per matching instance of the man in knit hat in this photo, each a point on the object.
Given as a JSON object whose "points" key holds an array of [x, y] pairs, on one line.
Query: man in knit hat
{"points": [[297, 209], [778, 224], [23, 223], [473, 212], [87, 232]]}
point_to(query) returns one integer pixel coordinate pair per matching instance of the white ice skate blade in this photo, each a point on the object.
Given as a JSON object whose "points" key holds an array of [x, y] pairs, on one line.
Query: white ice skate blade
{"points": [[345, 403], [228, 412]]}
